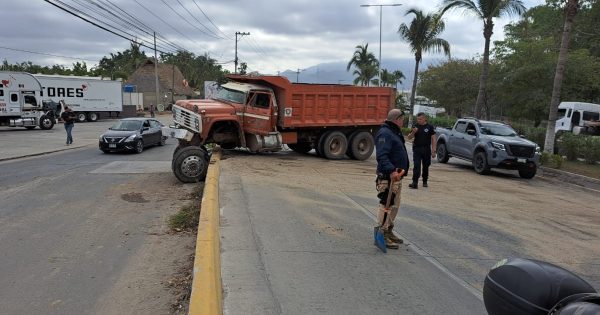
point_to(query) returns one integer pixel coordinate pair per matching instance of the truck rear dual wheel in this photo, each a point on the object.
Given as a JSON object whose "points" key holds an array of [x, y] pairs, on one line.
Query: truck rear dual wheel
{"points": [[190, 164], [80, 117], [334, 145], [361, 145], [92, 117]]}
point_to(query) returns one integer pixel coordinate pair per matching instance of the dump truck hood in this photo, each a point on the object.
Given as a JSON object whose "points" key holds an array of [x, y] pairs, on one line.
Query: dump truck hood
{"points": [[212, 107]]}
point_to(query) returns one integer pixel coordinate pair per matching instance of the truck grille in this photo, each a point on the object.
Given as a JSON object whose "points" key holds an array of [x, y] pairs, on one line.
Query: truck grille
{"points": [[522, 150], [187, 119]]}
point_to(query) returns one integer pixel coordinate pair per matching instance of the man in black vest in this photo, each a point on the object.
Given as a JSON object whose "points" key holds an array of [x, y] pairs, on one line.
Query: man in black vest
{"points": [[423, 149]]}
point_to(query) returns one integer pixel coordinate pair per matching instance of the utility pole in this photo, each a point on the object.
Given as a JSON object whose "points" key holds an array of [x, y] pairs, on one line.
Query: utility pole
{"points": [[380, 19], [236, 41], [298, 74], [156, 69]]}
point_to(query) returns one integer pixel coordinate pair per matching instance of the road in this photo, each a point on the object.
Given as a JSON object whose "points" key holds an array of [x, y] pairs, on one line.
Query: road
{"points": [[297, 236], [86, 232]]}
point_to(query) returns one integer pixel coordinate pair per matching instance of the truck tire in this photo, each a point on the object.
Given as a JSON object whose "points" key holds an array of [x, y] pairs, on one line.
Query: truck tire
{"points": [[190, 164], [319, 144], [92, 117], [442, 153], [528, 173], [80, 117], [480, 163], [300, 147], [46, 122], [179, 148], [361, 145], [335, 145]]}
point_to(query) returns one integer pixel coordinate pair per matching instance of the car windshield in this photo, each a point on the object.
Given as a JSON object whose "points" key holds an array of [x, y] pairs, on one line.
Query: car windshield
{"points": [[497, 130], [231, 95], [127, 125]]}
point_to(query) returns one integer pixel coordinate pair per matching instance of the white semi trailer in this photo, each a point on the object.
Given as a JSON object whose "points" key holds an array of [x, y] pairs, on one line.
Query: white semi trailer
{"points": [[20, 102], [86, 96]]}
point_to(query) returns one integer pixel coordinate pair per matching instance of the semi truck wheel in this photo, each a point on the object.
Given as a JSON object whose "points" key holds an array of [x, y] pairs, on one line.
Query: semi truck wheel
{"points": [[92, 117], [480, 163], [335, 145], [190, 164], [442, 153], [301, 147], [361, 146], [80, 117], [46, 122]]}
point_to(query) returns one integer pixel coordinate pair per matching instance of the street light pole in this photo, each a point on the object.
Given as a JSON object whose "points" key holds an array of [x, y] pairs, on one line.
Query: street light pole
{"points": [[380, 25], [236, 41]]}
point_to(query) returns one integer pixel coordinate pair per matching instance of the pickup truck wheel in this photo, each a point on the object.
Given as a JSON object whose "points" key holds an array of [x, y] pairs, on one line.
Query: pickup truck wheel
{"points": [[190, 164], [80, 117], [442, 153], [300, 147], [529, 172], [361, 146], [335, 145], [46, 122], [480, 163]]}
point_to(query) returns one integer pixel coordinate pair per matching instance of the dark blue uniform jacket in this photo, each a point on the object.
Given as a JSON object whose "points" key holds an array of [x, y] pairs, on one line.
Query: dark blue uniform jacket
{"points": [[391, 152]]}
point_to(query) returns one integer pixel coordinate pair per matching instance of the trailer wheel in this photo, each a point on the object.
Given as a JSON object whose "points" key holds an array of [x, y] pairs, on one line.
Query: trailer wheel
{"points": [[301, 147], [190, 164], [46, 122], [361, 146], [92, 117], [80, 117], [335, 145]]}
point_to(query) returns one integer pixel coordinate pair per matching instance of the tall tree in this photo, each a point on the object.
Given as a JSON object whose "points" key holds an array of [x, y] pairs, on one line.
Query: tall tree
{"points": [[485, 10], [570, 13], [365, 65], [391, 78], [422, 36]]}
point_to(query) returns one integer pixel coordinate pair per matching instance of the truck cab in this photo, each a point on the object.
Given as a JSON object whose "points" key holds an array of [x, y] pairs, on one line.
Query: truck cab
{"points": [[578, 117], [20, 102]]}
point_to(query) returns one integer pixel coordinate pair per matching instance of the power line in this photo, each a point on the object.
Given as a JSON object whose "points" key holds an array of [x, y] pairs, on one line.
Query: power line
{"points": [[46, 54], [188, 22], [211, 22], [190, 13]]}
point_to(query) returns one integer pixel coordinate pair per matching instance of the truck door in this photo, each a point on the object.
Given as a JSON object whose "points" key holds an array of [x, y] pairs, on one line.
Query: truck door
{"points": [[257, 113], [14, 103], [467, 142], [456, 135]]}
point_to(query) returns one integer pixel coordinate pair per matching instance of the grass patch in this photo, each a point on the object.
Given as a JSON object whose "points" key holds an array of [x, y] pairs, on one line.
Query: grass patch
{"points": [[188, 215], [581, 168]]}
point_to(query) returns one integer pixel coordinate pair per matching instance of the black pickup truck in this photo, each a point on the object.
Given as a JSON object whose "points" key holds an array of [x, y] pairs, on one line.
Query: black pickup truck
{"points": [[487, 145]]}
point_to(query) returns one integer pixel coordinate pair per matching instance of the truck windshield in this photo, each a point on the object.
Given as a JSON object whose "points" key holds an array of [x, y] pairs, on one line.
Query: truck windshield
{"points": [[497, 130], [127, 125], [231, 95], [561, 113]]}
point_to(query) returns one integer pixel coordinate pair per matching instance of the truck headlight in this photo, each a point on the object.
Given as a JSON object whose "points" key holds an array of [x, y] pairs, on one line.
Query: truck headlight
{"points": [[538, 149], [498, 146]]}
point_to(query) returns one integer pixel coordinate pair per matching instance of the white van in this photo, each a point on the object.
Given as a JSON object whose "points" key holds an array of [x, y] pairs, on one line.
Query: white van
{"points": [[579, 118]]}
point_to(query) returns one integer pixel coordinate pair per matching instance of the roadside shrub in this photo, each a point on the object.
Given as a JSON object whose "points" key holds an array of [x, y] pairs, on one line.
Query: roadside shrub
{"points": [[551, 160], [569, 146], [590, 148], [442, 121]]}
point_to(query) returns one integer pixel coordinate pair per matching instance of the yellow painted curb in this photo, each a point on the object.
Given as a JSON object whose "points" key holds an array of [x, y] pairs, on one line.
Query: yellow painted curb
{"points": [[206, 296]]}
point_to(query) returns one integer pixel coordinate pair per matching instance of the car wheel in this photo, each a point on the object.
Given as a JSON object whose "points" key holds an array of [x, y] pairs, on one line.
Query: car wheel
{"points": [[190, 164], [529, 172], [361, 146], [335, 145], [139, 146], [46, 122], [480, 163], [442, 153], [163, 140]]}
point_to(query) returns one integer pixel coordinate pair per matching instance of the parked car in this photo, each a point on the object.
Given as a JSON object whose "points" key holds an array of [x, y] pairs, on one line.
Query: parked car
{"points": [[132, 134], [487, 145]]}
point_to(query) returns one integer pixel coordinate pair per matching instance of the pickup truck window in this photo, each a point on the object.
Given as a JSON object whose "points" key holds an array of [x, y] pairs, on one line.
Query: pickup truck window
{"points": [[471, 127], [231, 96], [461, 126], [497, 130]]}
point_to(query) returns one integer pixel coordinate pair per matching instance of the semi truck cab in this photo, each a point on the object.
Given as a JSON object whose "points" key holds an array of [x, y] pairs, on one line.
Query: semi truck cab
{"points": [[20, 102]]}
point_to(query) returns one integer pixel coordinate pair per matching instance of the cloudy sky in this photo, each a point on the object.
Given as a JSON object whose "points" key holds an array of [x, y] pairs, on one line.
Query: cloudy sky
{"points": [[283, 34]]}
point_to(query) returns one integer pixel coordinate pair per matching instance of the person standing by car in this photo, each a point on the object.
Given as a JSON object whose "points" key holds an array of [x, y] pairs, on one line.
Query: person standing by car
{"points": [[423, 149], [152, 109], [69, 119], [392, 163]]}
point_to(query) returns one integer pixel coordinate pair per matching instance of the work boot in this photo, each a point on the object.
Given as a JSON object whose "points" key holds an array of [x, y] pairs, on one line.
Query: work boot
{"points": [[425, 183], [413, 185], [389, 243], [390, 235]]}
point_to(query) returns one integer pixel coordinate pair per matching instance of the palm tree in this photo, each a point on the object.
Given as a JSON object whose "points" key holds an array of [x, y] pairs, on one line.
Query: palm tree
{"points": [[570, 13], [485, 10], [364, 62], [421, 35], [391, 78]]}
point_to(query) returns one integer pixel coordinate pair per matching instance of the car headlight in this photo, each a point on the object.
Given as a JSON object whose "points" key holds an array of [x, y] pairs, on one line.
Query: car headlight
{"points": [[498, 146], [538, 149], [131, 138]]}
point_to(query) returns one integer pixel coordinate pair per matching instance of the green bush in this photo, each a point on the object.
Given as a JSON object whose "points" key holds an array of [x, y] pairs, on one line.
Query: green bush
{"points": [[590, 148], [569, 145], [551, 160], [442, 121]]}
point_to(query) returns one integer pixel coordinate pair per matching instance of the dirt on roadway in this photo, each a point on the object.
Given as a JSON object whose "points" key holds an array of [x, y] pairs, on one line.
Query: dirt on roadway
{"points": [[464, 220]]}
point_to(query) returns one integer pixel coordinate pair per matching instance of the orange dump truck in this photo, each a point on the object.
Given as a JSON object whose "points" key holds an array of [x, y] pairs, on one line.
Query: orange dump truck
{"points": [[262, 113]]}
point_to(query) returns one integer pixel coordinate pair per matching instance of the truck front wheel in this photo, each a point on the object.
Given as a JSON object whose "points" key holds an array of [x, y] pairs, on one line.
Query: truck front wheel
{"points": [[442, 153], [335, 145], [529, 172], [190, 164], [46, 122], [480, 163]]}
